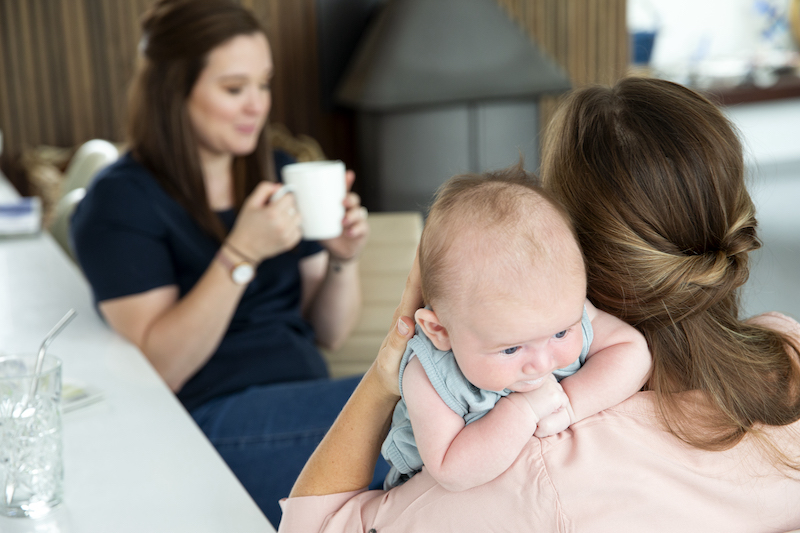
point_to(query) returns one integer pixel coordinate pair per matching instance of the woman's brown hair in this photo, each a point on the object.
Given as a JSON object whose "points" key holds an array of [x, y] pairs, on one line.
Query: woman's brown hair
{"points": [[177, 36], [653, 176]]}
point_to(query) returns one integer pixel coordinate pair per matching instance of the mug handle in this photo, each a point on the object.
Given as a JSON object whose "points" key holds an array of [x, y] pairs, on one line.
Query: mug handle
{"points": [[280, 193]]}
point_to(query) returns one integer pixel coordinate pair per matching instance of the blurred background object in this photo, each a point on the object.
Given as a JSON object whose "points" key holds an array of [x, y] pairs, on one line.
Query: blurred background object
{"points": [[444, 87], [794, 20], [708, 44], [643, 25]]}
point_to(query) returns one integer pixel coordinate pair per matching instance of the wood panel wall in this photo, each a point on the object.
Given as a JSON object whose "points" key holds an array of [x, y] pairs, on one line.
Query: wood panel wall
{"points": [[65, 67], [65, 64], [588, 38]]}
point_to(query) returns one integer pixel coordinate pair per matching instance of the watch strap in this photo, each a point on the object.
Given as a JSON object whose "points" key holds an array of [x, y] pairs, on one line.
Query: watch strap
{"points": [[232, 267]]}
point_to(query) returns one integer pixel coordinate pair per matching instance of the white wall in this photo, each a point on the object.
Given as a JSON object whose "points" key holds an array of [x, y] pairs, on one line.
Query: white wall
{"points": [[770, 132]]}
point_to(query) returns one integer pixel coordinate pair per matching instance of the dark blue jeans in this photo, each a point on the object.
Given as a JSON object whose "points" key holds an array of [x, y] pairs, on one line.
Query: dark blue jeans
{"points": [[266, 433]]}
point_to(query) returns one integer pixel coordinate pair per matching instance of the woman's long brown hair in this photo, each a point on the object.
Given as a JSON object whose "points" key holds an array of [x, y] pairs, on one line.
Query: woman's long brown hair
{"points": [[653, 176], [177, 36]]}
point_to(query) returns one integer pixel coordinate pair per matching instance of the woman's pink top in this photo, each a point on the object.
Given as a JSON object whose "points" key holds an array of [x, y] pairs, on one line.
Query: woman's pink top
{"points": [[615, 471]]}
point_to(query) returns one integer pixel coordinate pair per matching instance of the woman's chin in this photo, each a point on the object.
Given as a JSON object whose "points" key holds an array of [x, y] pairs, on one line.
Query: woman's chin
{"points": [[244, 149]]}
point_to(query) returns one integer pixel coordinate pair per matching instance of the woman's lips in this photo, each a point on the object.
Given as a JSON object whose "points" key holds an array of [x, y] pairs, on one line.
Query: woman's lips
{"points": [[247, 130]]}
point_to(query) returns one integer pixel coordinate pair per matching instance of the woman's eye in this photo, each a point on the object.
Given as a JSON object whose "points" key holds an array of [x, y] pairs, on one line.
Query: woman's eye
{"points": [[234, 90], [511, 351], [560, 334], [266, 87]]}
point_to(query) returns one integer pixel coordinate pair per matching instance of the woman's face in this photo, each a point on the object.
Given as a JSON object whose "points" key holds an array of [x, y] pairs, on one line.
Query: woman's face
{"points": [[230, 101]]}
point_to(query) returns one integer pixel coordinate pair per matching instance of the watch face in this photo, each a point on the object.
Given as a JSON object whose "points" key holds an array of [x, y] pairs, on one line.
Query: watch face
{"points": [[243, 273]]}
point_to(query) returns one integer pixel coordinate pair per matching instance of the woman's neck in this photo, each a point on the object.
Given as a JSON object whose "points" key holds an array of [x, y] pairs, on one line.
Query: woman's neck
{"points": [[218, 179]]}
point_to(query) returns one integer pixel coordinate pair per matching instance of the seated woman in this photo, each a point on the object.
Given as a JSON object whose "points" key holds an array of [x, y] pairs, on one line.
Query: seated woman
{"points": [[652, 174], [190, 260]]}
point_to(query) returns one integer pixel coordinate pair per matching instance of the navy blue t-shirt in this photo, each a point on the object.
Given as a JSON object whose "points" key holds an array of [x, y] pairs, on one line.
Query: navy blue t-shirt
{"points": [[130, 236]]}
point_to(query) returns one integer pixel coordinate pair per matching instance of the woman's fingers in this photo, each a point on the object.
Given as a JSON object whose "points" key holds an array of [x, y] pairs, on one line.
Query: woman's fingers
{"points": [[262, 194], [266, 227], [412, 294], [394, 345], [387, 363], [355, 223], [351, 200]]}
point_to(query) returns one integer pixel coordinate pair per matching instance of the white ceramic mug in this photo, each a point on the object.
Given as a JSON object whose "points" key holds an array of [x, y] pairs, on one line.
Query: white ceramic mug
{"points": [[319, 189]]}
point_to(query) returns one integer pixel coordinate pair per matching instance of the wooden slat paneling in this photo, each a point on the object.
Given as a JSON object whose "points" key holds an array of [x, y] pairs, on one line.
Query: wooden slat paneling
{"points": [[65, 64], [586, 37]]}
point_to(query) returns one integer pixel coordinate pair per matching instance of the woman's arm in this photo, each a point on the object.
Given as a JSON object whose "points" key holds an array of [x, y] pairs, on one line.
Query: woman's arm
{"points": [[331, 281], [178, 335], [345, 459], [617, 366]]}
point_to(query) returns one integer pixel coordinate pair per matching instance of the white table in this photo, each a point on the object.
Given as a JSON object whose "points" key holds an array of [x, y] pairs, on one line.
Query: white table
{"points": [[134, 462]]}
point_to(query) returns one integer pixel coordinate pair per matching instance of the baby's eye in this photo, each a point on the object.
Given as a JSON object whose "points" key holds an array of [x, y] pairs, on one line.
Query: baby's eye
{"points": [[561, 334], [511, 351]]}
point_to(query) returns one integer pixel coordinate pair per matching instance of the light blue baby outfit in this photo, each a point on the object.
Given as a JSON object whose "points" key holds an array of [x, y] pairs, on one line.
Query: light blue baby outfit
{"points": [[400, 447]]}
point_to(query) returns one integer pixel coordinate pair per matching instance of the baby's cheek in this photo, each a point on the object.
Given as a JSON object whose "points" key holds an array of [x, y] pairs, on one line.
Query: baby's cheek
{"points": [[570, 351]]}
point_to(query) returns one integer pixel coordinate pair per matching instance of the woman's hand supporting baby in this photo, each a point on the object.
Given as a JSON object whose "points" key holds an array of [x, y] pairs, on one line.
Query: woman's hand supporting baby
{"points": [[345, 459]]}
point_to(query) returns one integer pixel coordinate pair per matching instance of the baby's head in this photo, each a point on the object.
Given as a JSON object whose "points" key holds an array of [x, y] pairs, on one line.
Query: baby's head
{"points": [[503, 274]]}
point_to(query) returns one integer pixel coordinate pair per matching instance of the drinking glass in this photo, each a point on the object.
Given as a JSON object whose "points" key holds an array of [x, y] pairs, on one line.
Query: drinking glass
{"points": [[31, 457]]}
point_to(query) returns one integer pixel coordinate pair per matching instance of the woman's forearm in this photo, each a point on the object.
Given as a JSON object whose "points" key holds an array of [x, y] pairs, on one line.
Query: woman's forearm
{"points": [[337, 303], [178, 335], [345, 459]]}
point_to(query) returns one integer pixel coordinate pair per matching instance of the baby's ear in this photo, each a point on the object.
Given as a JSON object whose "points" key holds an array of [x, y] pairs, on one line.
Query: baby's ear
{"points": [[436, 332]]}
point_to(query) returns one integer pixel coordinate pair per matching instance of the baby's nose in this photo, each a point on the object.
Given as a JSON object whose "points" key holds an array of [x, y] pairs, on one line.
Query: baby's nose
{"points": [[539, 362]]}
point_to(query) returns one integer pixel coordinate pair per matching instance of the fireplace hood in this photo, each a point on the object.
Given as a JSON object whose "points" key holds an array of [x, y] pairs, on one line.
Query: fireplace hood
{"points": [[437, 52]]}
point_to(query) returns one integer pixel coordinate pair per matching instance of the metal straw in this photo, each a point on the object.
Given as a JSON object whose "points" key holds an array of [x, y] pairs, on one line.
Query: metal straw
{"points": [[47, 340], [10, 488]]}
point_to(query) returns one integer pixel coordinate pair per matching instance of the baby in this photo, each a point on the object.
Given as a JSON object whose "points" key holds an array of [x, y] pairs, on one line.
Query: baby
{"points": [[505, 284]]}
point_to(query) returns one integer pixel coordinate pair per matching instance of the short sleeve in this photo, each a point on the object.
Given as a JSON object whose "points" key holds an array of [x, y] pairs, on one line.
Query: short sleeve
{"points": [[119, 241]]}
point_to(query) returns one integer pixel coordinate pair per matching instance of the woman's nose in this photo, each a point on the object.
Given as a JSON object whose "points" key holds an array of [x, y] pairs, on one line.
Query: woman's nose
{"points": [[257, 103]]}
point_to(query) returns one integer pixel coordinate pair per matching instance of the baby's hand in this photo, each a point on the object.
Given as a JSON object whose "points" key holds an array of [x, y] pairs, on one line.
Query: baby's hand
{"points": [[554, 423], [547, 399]]}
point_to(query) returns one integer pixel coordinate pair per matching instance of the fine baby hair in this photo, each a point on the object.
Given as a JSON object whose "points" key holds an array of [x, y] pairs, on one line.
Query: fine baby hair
{"points": [[499, 223]]}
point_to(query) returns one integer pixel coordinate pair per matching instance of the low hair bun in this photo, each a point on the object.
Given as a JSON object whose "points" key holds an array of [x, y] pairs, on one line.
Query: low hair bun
{"points": [[741, 238]]}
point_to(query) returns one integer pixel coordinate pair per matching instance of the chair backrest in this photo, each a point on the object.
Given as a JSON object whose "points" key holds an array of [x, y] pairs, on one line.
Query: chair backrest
{"points": [[385, 263], [59, 227], [90, 158]]}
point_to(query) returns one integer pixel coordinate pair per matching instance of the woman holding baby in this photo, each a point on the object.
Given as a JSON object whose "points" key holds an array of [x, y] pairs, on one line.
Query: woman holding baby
{"points": [[652, 176], [190, 260]]}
